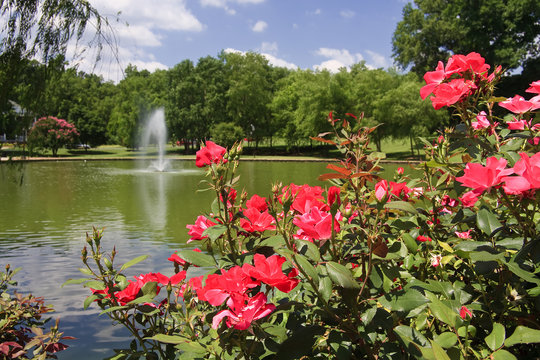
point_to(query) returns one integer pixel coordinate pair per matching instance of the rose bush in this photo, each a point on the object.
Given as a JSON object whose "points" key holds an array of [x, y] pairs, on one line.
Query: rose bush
{"points": [[442, 265]]}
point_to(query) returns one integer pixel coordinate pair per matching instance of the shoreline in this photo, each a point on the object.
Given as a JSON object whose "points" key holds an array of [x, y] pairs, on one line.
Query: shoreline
{"points": [[191, 158]]}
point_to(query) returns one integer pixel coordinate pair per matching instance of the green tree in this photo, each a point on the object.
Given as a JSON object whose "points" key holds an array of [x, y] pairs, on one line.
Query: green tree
{"points": [[226, 134], [403, 114], [249, 93], [504, 32], [136, 97], [40, 29]]}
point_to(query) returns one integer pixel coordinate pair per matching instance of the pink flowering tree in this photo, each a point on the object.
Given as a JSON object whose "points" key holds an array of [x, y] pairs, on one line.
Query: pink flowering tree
{"points": [[52, 133], [442, 262]]}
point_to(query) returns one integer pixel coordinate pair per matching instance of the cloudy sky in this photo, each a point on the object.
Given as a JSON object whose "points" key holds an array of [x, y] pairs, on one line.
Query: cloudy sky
{"points": [[307, 34]]}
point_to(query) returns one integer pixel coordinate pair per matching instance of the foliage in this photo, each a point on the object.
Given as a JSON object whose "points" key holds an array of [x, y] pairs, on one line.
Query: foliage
{"points": [[51, 133], [443, 265], [227, 133], [21, 324], [505, 32]]}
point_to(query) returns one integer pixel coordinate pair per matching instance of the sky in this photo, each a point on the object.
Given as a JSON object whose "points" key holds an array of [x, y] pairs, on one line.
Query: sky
{"points": [[305, 34]]}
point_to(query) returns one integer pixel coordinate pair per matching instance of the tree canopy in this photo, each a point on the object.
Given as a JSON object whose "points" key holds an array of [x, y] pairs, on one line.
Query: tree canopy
{"points": [[504, 32]]}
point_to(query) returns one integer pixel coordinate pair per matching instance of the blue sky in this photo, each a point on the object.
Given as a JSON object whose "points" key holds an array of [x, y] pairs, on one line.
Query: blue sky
{"points": [[306, 34]]}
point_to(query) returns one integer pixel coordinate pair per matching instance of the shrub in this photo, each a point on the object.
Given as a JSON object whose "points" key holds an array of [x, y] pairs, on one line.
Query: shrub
{"points": [[439, 266], [51, 133], [21, 324]]}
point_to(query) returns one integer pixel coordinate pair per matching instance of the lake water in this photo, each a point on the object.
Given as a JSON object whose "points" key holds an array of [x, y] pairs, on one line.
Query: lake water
{"points": [[44, 219]]}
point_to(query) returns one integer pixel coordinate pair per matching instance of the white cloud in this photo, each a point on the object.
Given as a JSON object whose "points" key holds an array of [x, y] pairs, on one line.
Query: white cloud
{"points": [[224, 4], [153, 14], [344, 59], [315, 12], [142, 35], [269, 47], [272, 60], [377, 60], [347, 14], [259, 26]]}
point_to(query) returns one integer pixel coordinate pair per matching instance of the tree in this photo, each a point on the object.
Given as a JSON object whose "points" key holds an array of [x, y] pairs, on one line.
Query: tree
{"points": [[505, 32], [36, 29], [249, 92], [52, 133]]}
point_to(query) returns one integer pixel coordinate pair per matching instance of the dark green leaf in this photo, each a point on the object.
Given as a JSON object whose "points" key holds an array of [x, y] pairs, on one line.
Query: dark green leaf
{"points": [[446, 339], [403, 301], [112, 308], [525, 275], [310, 270], [409, 334], [311, 250], [341, 276], [487, 222]]}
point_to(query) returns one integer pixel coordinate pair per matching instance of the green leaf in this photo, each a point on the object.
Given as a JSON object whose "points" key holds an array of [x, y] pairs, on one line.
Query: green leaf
{"points": [[94, 284], [215, 231], [401, 205], [487, 222], [341, 276], [112, 308], [409, 334], [524, 274], [86, 271], [132, 262], [73, 281], [442, 311], [191, 347], [325, 287], [311, 251], [197, 258], [410, 243], [523, 335], [89, 300], [502, 355], [496, 339], [275, 241], [304, 263], [438, 351], [300, 343], [403, 301], [168, 339], [447, 339], [150, 289]]}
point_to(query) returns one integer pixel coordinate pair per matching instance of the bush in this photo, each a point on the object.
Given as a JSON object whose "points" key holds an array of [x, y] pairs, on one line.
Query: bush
{"points": [[21, 324], [227, 133], [439, 266]]}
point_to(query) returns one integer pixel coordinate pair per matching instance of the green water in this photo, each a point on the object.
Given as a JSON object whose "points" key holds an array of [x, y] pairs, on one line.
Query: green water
{"points": [[44, 218]]}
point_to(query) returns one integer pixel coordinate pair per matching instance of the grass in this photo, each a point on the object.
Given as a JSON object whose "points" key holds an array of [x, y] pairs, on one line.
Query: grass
{"points": [[395, 149]]}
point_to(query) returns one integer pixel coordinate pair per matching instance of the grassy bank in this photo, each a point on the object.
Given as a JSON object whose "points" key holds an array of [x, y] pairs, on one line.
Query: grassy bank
{"points": [[394, 149]]}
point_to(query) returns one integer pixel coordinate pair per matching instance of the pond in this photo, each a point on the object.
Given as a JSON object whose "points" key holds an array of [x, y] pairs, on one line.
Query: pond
{"points": [[44, 219]]}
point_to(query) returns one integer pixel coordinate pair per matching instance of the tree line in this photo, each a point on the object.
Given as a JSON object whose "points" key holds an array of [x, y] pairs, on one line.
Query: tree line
{"points": [[227, 97]]}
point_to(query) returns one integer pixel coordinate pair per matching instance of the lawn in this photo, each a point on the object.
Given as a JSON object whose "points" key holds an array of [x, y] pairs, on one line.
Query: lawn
{"points": [[395, 149]]}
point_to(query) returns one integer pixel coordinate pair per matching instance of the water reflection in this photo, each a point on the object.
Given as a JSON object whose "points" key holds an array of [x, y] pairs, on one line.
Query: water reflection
{"points": [[43, 223]]}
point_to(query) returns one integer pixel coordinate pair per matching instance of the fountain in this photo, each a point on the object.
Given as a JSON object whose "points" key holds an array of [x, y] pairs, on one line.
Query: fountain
{"points": [[155, 132]]}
